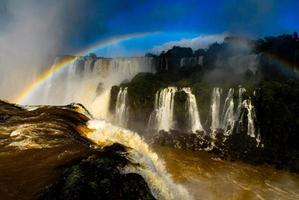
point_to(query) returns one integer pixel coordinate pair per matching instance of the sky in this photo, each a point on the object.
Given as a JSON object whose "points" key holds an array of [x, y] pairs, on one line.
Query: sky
{"points": [[78, 24], [179, 19], [34, 32]]}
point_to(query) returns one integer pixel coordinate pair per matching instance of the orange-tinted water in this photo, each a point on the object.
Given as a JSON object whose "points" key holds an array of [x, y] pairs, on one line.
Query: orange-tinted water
{"points": [[26, 174], [209, 178]]}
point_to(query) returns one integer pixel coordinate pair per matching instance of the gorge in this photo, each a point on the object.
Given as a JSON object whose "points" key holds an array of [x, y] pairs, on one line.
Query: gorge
{"points": [[213, 116]]}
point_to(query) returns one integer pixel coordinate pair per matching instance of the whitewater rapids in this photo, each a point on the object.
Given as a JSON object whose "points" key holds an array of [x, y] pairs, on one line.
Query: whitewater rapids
{"points": [[43, 128], [148, 164]]}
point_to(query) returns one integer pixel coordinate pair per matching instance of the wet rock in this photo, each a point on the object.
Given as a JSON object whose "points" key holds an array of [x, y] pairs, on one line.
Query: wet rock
{"points": [[46, 144], [99, 177]]}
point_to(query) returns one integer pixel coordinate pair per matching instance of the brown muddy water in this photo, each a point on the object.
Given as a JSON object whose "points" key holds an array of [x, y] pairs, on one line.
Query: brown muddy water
{"points": [[25, 174], [210, 178]]}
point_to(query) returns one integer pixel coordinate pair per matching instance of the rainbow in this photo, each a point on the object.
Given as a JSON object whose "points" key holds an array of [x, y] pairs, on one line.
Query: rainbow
{"points": [[58, 67], [285, 67]]}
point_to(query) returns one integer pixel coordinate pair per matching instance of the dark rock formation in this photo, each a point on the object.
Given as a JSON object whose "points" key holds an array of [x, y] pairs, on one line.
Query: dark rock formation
{"points": [[236, 60], [182, 140], [267, 66], [99, 177], [276, 106], [171, 60], [45, 145]]}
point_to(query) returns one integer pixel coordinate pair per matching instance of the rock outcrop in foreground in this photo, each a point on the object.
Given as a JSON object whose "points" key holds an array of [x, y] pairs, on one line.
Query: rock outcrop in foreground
{"points": [[44, 156], [99, 177]]}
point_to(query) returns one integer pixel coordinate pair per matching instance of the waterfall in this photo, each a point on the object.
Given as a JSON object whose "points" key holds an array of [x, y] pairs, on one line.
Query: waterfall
{"points": [[239, 114], [71, 75], [182, 62], [142, 160], [215, 108], [88, 80], [241, 91], [247, 104], [48, 84], [228, 115], [230, 118], [121, 110], [100, 105], [162, 116], [192, 111], [191, 61]]}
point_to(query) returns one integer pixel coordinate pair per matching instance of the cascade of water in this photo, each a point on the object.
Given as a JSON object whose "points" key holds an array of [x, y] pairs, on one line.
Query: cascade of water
{"points": [[71, 75], [228, 115], [150, 167], [100, 105], [121, 110], [190, 61], [194, 119], [215, 108], [247, 104], [182, 62], [113, 72], [124, 68], [48, 85], [88, 62], [239, 113], [240, 101], [162, 117], [200, 60], [80, 82], [229, 118], [243, 106]]}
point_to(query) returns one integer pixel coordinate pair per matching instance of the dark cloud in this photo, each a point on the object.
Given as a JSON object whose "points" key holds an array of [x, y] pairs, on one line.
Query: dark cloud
{"points": [[33, 30], [81, 22]]}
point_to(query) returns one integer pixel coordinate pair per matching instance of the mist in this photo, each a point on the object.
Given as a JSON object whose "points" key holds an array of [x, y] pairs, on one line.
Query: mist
{"points": [[31, 35], [235, 63]]}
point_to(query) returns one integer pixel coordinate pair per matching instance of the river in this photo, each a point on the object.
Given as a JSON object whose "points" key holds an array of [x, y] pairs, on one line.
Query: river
{"points": [[211, 178]]}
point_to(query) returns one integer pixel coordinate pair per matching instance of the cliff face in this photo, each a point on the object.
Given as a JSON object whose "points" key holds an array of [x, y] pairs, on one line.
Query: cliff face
{"points": [[275, 120], [264, 125], [266, 57]]}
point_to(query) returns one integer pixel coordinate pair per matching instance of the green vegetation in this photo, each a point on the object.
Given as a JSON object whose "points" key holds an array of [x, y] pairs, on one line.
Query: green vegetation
{"points": [[273, 88]]}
